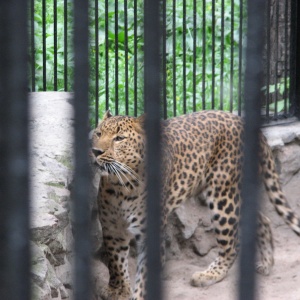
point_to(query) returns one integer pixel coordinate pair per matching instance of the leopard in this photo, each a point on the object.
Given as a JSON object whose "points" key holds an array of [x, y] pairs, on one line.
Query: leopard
{"points": [[202, 154]]}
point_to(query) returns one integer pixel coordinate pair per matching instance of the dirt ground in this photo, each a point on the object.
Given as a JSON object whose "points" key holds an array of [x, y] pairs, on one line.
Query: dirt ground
{"points": [[283, 283]]}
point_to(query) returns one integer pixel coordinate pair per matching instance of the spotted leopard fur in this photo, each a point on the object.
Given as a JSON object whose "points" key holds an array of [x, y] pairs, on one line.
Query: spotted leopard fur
{"points": [[203, 153]]}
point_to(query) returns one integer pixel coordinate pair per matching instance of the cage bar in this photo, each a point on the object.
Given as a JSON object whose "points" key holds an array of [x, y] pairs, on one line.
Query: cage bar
{"points": [[194, 53], [250, 182], [152, 94], [184, 55], [213, 58], [231, 56], [135, 50], [65, 45], [81, 211], [126, 57], [96, 61], [55, 45], [44, 47], [240, 92], [32, 46], [116, 57], [106, 58], [174, 64], [203, 53], [14, 148], [221, 106]]}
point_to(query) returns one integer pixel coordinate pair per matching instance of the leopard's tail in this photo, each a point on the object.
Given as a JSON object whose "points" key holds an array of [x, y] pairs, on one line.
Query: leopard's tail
{"points": [[274, 190]]}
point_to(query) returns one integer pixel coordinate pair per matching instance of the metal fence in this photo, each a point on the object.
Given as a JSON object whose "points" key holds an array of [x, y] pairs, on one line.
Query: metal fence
{"points": [[14, 175], [202, 46]]}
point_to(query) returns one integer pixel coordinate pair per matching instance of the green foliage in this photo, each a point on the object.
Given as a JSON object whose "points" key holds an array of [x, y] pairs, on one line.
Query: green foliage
{"points": [[223, 72]]}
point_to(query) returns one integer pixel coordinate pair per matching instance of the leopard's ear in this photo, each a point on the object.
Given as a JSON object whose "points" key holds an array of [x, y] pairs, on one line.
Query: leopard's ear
{"points": [[141, 119], [140, 123], [107, 115]]}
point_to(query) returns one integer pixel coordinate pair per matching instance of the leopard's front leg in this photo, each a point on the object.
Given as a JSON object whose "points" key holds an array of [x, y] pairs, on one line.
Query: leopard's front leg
{"points": [[117, 248], [139, 292]]}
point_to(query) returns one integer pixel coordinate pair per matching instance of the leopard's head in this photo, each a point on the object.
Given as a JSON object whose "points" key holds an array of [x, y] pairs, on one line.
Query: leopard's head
{"points": [[118, 145]]}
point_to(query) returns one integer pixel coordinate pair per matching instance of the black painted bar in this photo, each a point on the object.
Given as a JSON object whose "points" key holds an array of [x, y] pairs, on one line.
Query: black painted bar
{"points": [[231, 54], [135, 60], [213, 58], [152, 94], [240, 92], [174, 81], [96, 5], [44, 47], [203, 54], [65, 45], [106, 58], [116, 57], [14, 152], [184, 54], [222, 56], [194, 52], [250, 184], [55, 44], [295, 59], [32, 46], [126, 57], [81, 212]]}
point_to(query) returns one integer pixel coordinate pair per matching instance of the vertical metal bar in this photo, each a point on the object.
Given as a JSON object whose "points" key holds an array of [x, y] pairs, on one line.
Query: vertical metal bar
{"points": [[231, 55], [194, 52], [106, 57], [14, 152], [32, 44], [295, 58], [184, 54], [96, 61], [44, 46], [82, 246], [126, 56], [164, 63], [250, 183], [174, 59], [55, 44], [222, 56], [268, 60], [203, 53], [116, 57], [286, 56], [276, 57], [65, 45], [213, 58], [240, 92], [152, 104], [135, 76]]}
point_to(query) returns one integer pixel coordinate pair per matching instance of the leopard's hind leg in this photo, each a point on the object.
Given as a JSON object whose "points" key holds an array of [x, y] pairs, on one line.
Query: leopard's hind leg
{"points": [[224, 203], [265, 245]]}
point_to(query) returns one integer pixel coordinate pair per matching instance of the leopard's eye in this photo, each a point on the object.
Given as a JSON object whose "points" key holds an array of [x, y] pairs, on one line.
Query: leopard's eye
{"points": [[98, 133], [119, 138]]}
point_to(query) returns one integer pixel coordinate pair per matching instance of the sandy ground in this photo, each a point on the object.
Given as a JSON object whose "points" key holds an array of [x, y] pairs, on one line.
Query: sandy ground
{"points": [[282, 284]]}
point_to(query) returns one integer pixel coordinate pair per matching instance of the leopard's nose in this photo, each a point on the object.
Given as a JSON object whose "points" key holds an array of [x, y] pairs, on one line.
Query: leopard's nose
{"points": [[97, 151]]}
